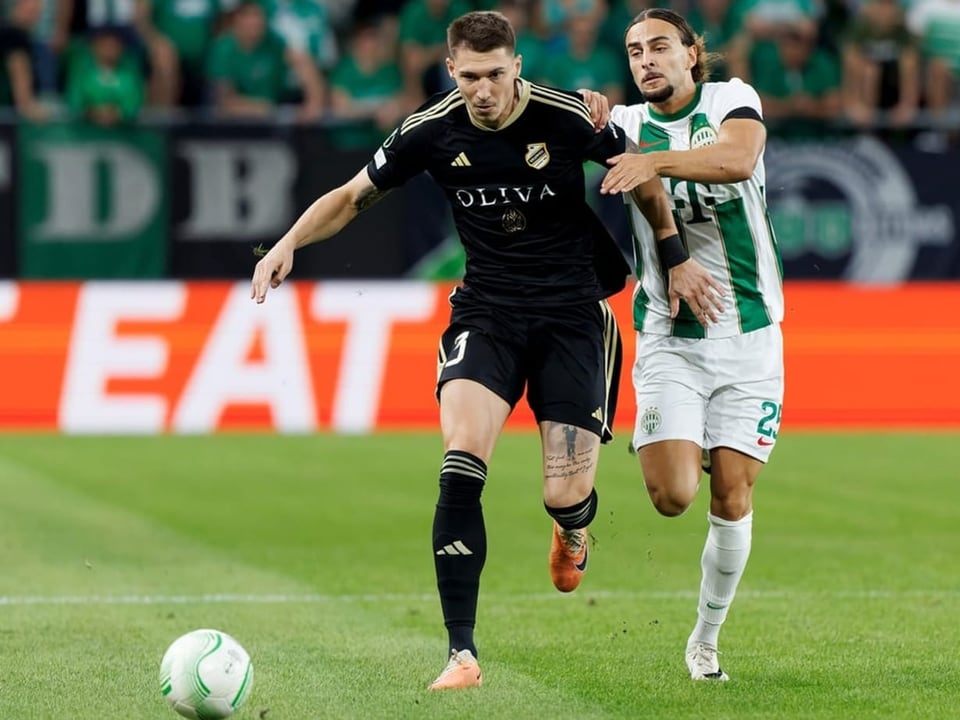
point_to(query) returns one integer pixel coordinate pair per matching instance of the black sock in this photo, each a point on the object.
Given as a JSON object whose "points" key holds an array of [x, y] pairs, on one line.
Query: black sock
{"points": [[576, 516], [460, 544]]}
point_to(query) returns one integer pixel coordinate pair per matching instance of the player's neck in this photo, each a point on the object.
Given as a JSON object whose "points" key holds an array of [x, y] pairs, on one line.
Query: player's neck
{"points": [[681, 97]]}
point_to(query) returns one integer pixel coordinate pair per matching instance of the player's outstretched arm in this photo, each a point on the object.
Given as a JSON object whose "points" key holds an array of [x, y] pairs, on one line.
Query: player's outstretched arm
{"points": [[731, 159], [687, 279], [327, 216]]}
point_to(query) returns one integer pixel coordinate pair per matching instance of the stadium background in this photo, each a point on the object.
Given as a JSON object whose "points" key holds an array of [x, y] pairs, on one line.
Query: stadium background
{"points": [[214, 153], [173, 456]]}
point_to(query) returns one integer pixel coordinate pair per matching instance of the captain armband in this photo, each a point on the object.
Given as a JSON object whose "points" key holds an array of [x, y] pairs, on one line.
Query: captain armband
{"points": [[672, 252]]}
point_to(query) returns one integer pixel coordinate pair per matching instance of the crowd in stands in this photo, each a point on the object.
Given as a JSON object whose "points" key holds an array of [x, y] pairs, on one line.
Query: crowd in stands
{"points": [[871, 64]]}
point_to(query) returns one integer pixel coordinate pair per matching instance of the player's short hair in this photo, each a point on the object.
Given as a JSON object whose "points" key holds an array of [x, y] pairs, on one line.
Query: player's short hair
{"points": [[481, 31], [700, 71]]}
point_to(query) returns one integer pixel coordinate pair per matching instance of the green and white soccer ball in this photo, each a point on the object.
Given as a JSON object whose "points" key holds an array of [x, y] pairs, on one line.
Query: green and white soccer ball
{"points": [[205, 675]]}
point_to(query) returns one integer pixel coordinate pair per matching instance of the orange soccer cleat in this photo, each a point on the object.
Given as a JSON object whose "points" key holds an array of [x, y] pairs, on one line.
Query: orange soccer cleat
{"points": [[462, 671], [568, 557]]}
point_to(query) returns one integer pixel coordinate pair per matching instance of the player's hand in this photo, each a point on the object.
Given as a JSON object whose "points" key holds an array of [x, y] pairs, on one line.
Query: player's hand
{"points": [[271, 270], [628, 171], [689, 281], [599, 107]]}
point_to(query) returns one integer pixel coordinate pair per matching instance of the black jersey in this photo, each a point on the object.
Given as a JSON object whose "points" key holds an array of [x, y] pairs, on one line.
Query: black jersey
{"points": [[517, 194]]}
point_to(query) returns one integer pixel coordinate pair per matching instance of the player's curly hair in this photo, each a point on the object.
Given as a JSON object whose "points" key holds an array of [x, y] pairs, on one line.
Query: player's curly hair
{"points": [[481, 31], [700, 71]]}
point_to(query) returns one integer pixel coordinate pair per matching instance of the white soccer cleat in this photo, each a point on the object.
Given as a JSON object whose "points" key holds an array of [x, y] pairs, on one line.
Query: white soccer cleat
{"points": [[703, 664]]}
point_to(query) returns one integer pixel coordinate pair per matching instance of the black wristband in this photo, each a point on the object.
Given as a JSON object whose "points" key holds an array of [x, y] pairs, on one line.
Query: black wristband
{"points": [[672, 252]]}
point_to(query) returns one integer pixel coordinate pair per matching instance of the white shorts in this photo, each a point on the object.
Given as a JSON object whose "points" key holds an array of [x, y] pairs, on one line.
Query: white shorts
{"points": [[724, 392]]}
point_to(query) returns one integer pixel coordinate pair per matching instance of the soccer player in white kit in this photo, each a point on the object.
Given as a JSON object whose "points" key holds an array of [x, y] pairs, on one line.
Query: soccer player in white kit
{"points": [[709, 394]]}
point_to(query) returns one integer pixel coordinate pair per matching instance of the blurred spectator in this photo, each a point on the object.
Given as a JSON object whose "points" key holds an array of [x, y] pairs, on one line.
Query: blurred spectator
{"points": [[937, 23], [880, 66], [551, 18], [105, 84], [16, 77], [248, 67], [584, 64], [45, 50], [764, 19], [615, 20], [177, 35], [305, 26], [835, 22], [76, 18], [366, 85], [799, 83], [423, 44], [529, 46], [720, 22]]}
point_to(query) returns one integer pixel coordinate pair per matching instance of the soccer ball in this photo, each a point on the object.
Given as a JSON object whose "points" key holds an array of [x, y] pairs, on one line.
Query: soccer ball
{"points": [[205, 675]]}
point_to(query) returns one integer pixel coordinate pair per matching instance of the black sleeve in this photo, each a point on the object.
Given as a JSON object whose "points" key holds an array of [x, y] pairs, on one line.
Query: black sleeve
{"points": [[610, 141], [402, 155], [405, 153], [743, 113]]}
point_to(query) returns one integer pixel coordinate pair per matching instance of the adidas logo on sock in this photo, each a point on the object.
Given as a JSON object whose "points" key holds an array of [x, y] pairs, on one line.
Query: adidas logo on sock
{"points": [[455, 548]]}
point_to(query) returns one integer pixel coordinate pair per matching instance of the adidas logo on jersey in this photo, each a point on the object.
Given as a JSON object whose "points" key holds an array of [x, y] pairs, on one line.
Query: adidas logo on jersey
{"points": [[460, 161], [597, 414], [455, 548]]}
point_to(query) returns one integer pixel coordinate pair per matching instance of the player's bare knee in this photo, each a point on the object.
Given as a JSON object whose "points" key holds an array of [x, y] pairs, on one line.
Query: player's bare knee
{"points": [[731, 490], [671, 496], [731, 506], [668, 504], [476, 446]]}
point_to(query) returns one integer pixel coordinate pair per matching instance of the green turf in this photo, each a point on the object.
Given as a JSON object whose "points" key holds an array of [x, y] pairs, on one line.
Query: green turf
{"points": [[321, 547]]}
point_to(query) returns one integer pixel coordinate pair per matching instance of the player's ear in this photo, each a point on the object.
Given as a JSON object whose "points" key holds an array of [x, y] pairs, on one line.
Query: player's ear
{"points": [[518, 64], [450, 69]]}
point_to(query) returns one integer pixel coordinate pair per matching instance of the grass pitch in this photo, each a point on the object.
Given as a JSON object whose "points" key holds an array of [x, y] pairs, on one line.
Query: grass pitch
{"points": [[314, 552]]}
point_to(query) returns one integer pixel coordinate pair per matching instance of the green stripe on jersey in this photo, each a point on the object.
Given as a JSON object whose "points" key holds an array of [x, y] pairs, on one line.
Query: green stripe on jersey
{"points": [[652, 139], [741, 257], [640, 299]]}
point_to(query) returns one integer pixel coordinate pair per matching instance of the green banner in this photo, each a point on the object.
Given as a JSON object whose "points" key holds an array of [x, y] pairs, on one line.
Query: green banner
{"points": [[93, 202]]}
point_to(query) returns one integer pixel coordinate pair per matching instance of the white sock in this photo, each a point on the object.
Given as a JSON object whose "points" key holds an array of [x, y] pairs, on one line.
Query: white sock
{"points": [[724, 558]]}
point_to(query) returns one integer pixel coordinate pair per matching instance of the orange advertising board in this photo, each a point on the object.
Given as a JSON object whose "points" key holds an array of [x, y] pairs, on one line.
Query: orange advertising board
{"points": [[194, 357]]}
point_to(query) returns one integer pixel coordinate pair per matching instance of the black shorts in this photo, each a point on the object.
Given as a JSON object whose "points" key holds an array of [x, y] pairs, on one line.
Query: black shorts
{"points": [[567, 358]]}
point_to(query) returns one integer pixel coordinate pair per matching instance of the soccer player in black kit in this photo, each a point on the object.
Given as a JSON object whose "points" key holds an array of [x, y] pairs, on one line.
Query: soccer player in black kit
{"points": [[531, 310]]}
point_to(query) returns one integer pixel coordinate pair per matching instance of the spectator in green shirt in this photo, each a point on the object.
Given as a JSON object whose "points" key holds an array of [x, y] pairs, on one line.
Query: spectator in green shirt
{"points": [[16, 73], [105, 85], [937, 24], [305, 25], [177, 35], [423, 45], [798, 83], [367, 88], [529, 46], [721, 24], [584, 63], [880, 65], [248, 68]]}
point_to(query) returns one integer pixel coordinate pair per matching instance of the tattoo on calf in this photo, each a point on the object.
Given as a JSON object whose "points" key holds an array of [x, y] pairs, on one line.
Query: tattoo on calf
{"points": [[570, 435], [567, 466]]}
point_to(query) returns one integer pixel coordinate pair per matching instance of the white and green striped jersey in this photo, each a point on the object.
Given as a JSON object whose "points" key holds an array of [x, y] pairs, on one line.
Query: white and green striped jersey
{"points": [[725, 227]]}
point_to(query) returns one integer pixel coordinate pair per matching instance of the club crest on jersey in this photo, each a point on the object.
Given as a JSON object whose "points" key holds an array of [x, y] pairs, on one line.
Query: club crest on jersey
{"points": [[703, 137], [537, 155], [513, 220]]}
